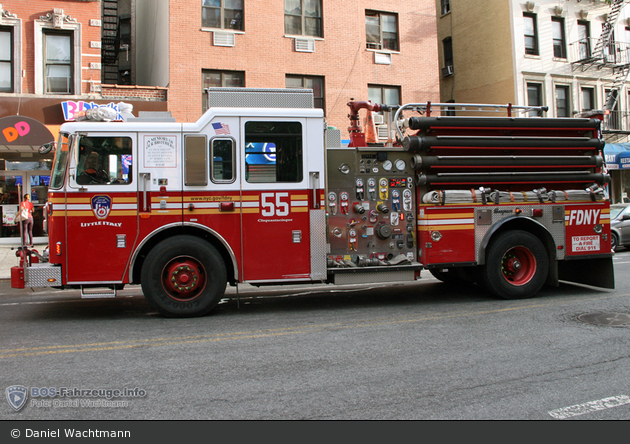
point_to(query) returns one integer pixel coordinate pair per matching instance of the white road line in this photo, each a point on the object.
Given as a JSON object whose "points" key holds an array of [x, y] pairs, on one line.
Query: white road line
{"points": [[588, 407]]}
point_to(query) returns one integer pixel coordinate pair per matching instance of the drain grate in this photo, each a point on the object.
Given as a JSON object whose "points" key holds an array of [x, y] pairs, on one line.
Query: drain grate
{"points": [[606, 318]]}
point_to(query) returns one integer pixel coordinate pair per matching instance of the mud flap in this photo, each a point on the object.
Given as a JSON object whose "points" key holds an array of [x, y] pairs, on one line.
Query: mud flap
{"points": [[594, 271]]}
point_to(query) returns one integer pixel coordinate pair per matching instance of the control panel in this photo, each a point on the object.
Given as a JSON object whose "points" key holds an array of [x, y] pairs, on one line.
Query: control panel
{"points": [[370, 203]]}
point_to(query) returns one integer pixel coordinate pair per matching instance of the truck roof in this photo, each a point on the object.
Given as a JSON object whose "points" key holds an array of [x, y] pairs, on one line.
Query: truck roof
{"points": [[201, 123]]}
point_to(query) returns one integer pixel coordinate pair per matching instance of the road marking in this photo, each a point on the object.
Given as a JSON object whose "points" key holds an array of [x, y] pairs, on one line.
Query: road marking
{"points": [[588, 407]]}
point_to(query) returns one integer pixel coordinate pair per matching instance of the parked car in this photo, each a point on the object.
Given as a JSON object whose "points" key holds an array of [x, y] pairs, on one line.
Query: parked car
{"points": [[620, 225]]}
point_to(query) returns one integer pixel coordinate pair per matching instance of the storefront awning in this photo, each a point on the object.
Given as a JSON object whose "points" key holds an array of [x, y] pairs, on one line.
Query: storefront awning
{"points": [[617, 156]]}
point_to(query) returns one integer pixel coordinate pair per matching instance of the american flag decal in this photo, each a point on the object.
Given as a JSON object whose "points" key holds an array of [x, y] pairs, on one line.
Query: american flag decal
{"points": [[221, 128]]}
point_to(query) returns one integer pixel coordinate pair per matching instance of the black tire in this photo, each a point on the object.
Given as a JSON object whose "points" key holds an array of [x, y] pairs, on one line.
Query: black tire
{"points": [[614, 241], [516, 265], [183, 276]]}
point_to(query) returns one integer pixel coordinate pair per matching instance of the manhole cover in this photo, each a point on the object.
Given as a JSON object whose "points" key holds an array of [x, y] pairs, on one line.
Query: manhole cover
{"points": [[606, 318]]}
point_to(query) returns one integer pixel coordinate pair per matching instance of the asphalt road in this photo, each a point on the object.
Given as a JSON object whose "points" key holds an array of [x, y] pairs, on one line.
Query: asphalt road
{"points": [[413, 351]]}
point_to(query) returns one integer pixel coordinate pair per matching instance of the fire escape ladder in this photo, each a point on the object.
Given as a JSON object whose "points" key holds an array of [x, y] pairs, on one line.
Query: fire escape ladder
{"points": [[607, 29], [110, 42]]}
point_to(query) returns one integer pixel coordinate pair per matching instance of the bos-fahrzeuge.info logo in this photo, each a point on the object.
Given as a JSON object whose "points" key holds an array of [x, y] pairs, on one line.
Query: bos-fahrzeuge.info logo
{"points": [[17, 395]]}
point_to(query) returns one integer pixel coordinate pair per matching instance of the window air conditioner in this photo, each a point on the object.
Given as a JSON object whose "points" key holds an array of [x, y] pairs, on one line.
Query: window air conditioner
{"points": [[304, 45]]}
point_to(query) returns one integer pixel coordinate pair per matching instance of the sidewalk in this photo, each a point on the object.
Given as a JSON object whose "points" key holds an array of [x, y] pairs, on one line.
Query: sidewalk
{"points": [[8, 258]]}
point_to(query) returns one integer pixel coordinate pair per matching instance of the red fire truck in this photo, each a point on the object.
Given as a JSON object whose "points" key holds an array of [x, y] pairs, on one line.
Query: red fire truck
{"points": [[260, 191]]}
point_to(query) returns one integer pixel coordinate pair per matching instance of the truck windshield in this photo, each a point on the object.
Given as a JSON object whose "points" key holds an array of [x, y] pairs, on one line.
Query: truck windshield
{"points": [[60, 162]]}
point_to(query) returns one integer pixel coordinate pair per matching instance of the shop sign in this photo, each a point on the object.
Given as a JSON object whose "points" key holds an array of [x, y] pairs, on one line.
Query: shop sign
{"points": [[73, 110], [23, 131]]}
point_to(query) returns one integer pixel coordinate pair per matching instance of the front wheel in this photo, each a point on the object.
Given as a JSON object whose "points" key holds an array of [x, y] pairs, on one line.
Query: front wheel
{"points": [[614, 241], [183, 276], [516, 265]]}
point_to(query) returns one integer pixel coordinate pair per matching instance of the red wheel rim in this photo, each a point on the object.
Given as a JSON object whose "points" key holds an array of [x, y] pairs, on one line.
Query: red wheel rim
{"points": [[518, 266], [184, 278]]}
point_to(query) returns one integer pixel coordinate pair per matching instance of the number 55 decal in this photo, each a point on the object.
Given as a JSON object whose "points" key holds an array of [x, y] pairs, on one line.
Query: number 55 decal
{"points": [[274, 206]]}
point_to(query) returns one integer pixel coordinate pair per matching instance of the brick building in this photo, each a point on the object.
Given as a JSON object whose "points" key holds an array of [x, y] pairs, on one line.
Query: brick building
{"points": [[383, 50], [50, 62]]}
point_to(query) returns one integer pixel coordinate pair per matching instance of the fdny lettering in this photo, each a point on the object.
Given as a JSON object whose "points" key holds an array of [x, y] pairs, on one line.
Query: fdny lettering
{"points": [[101, 222], [584, 217]]}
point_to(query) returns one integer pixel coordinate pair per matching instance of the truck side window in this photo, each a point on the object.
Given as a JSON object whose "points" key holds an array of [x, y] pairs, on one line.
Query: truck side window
{"points": [[104, 161], [273, 152], [222, 158]]}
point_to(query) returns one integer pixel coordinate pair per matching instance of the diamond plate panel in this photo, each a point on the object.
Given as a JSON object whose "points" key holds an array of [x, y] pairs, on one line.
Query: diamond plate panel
{"points": [[318, 244], [38, 275], [499, 213], [260, 98]]}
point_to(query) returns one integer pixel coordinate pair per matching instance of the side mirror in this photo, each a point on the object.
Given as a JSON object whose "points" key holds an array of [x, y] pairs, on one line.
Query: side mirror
{"points": [[46, 148]]}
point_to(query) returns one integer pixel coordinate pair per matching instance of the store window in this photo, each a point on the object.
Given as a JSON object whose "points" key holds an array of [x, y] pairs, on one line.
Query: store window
{"points": [[19, 178]]}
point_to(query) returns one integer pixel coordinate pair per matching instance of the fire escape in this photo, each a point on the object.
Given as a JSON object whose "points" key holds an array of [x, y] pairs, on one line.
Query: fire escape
{"points": [[607, 53], [110, 40]]}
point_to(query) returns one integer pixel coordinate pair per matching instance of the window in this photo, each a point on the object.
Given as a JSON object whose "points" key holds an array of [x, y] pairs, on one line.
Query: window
{"points": [[584, 41], [220, 79], [588, 99], [445, 7], [610, 53], [385, 95], [563, 102], [222, 160], [222, 14], [612, 120], [314, 83], [303, 17], [104, 161], [58, 63], [534, 97], [381, 30], [6, 60], [557, 32], [273, 152], [447, 45], [531, 34]]}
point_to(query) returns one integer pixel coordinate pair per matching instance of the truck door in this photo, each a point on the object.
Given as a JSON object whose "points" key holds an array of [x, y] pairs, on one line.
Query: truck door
{"points": [[101, 208], [275, 200], [211, 186]]}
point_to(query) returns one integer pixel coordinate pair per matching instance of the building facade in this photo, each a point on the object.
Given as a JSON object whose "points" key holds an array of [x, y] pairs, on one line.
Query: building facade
{"points": [[384, 51], [50, 72], [571, 56]]}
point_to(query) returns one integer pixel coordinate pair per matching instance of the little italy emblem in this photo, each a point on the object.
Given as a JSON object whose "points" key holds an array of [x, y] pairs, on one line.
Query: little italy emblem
{"points": [[101, 206]]}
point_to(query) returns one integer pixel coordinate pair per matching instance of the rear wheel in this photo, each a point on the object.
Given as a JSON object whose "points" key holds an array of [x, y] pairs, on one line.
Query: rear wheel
{"points": [[516, 265], [183, 276]]}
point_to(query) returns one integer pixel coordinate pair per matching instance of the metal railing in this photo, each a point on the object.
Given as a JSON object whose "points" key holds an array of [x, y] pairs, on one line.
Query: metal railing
{"points": [[614, 54]]}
